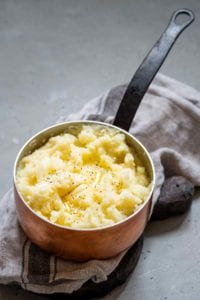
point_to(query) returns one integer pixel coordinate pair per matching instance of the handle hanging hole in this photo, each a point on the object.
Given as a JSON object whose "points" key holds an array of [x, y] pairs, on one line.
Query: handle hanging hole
{"points": [[182, 18]]}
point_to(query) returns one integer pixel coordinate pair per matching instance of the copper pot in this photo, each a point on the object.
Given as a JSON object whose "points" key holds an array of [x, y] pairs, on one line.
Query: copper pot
{"points": [[82, 244], [100, 243]]}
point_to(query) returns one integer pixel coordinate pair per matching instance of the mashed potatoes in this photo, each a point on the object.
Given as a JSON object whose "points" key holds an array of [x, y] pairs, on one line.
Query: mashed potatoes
{"points": [[87, 180]]}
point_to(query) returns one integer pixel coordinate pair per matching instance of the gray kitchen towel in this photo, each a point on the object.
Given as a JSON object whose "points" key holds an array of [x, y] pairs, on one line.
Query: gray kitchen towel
{"points": [[168, 124]]}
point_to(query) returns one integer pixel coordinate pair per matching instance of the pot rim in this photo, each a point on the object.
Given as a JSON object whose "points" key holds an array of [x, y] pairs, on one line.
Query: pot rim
{"points": [[86, 122]]}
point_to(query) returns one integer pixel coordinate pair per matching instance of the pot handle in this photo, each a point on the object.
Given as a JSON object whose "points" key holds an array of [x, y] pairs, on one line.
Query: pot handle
{"points": [[149, 67]]}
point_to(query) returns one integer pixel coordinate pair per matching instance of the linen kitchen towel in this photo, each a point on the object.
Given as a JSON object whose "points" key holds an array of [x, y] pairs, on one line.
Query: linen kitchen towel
{"points": [[168, 124]]}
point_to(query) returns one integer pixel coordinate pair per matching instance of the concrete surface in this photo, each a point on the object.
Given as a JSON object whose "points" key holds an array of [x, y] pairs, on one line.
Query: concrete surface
{"points": [[54, 57]]}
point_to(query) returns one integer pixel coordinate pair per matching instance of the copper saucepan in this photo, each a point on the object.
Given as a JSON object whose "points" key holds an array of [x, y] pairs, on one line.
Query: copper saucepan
{"points": [[100, 243]]}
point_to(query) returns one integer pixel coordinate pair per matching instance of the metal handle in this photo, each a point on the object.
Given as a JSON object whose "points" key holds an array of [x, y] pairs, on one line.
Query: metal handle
{"points": [[149, 67]]}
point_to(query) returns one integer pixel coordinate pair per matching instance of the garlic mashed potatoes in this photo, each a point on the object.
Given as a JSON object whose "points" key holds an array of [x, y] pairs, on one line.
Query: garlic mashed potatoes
{"points": [[88, 180]]}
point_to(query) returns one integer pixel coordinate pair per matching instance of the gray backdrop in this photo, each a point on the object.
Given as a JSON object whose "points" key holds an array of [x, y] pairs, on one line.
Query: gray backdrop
{"points": [[54, 57]]}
